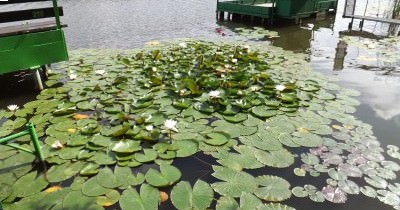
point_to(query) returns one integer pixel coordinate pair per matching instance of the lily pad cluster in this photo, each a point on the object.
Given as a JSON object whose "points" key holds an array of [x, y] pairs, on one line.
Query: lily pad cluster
{"points": [[256, 33], [112, 127], [383, 52]]}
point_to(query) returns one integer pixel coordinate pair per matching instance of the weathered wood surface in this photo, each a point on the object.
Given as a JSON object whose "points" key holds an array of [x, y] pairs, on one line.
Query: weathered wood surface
{"points": [[28, 28]]}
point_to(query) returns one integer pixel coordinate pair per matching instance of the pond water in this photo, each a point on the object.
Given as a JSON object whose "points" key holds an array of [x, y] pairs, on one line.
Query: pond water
{"points": [[132, 23]]}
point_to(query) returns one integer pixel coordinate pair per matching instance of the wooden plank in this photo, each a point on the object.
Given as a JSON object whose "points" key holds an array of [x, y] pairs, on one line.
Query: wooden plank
{"points": [[265, 5], [28, 28], [377, 19], [20, 1], [30, 14]]}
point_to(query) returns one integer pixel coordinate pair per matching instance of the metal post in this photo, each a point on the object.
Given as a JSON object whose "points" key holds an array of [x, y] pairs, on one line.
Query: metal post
{"points": [[38, 79], [56, 14], [13, 136], [35, 141]]}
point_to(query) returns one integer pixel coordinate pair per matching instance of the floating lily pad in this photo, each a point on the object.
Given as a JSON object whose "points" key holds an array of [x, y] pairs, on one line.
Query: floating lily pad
{"points": [[234, 182], [184, 197], [274, 188], [148, 198], [167, 175]]}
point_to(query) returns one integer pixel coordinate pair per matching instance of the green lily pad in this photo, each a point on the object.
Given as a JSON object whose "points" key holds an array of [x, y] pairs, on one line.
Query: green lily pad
{"points": [[29, 185], [233, 182], [278, 159], [107, 179], [274, 188], [217, 138], [126, 146], [148, 198], [92, 188], [263, 111], [167, 175], [184, 197], [58, 173]]}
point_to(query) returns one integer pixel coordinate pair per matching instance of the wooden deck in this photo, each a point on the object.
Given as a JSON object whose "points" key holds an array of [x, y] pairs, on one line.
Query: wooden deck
{"points": [[28, 28], [377, 19]]}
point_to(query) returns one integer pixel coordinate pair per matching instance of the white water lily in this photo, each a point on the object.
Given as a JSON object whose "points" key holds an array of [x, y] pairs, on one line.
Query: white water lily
{"points": [[228, 66], [100, 72], [240, 102], [13, 107], [280, 87], [255, 88], [234, 60], [148, 118], [247, 46], [183, 45], [57, 145], [170, 125], [149, 128], [182, 92], [214, 94], [154, 69], [73, 76]]}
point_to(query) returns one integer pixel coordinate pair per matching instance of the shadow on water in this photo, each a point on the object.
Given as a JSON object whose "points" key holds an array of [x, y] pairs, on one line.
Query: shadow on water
{"points": [[17, 88]]}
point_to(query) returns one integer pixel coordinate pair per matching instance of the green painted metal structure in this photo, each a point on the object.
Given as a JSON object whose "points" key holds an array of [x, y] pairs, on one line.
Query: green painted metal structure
{"points": [[271, 9], [30, 130], [32, 49]]}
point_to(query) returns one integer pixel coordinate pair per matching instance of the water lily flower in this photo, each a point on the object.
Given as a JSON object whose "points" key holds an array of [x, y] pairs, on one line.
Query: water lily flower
{"points": [[214, 94], [254, 88], [13, 107], [100, 72], [154, 69], [57, 145], [240, 102], [247, 47], [73, 76], [171, 125], [148, 118], [149, 128], [182, 92], [234, 60], [280, 87], [183, 45]]}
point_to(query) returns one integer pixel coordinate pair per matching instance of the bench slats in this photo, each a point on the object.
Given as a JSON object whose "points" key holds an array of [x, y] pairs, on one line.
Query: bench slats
{"points": [[20, 1], [28, 28], [12, 16]]}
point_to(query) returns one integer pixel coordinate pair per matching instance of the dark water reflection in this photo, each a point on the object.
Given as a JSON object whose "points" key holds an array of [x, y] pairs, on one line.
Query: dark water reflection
{"points": [[132, 23]]}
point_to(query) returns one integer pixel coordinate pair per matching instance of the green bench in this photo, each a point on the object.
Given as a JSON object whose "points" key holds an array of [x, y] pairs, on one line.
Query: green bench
{"points": [[32, 45]]}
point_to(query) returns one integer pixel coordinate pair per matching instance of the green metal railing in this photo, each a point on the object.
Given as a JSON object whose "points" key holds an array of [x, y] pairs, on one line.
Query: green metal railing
{"points": [[30, 130]]}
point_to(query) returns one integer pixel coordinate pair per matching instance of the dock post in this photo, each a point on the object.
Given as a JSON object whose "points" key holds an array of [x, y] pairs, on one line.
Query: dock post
{"points": [[229, 16], [221, 15], [241, 18], [38, 79], [351, 23], [361, 24], [252, 20]]}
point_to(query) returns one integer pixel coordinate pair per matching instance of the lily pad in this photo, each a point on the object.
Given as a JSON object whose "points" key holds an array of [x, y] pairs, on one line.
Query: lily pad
{"points": [[184, 197], [148, 198], [274, 188], [167, 175]]}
